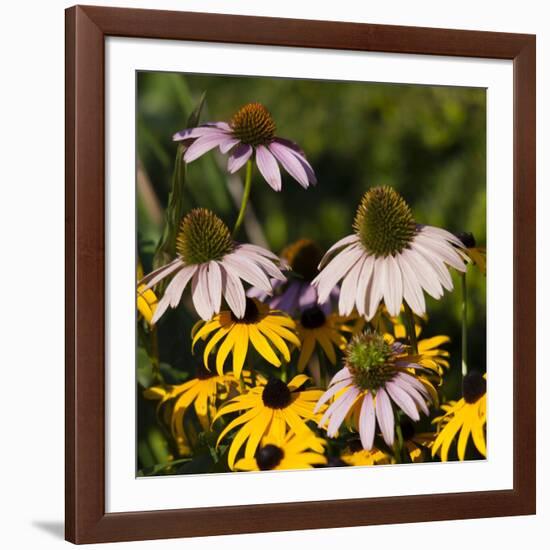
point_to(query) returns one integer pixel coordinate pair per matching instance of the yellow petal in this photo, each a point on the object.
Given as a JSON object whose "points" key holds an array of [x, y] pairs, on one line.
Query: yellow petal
{"points": [[262, 346], [240, 350], [212, 342], [224, 350]]}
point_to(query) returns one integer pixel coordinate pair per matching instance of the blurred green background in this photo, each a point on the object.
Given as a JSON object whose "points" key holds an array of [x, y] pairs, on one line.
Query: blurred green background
{"points": [[428, 142]]}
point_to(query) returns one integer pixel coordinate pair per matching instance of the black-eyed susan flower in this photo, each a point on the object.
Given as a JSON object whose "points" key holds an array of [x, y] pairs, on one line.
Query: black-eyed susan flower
{"points": [[269, 410], [355, 455], [389, 258], [251, 131], [477, 255], [465, 417], [215, 265], [316, 328], [269, 331], [376, 373], [293, 452], [146, 298], [415, 443]]}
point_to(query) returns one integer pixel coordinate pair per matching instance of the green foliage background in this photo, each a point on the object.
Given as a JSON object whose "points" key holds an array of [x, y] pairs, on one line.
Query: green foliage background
{"points": [[428, 142]]}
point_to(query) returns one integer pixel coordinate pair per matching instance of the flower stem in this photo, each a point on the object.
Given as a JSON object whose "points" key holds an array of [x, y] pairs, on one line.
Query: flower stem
{"points": [[399, 443], [411, 329], [246, 195], [464, 350]]}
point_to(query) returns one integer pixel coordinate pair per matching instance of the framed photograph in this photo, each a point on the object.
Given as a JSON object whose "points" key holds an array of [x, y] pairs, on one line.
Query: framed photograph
{"points": [[300, 274]]}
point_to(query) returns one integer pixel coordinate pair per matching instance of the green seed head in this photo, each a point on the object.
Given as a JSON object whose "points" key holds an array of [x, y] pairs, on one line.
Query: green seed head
{"points": [[370, 360], [253, 124], [384, 222], [203, 237]]}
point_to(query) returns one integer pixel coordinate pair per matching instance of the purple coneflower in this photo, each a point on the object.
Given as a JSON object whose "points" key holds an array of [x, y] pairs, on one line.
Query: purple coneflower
{"points": [[389, 257], [375, 374], [215, 265], [297, 294], [251, 131]]}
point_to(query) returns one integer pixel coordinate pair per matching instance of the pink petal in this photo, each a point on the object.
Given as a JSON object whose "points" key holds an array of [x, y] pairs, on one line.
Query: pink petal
{"points": [[155, 276], [178, 284], [199, 289], [199, 131], [425, 275], [413, 382], [267, 265], [437, 264], [299, 154], [417, 398], [348, 292], [335, 270], [350, 239], [238, 158], [375, 291], [412, 290], [233, 292], [290, 163], [203, 145], [362, 284], [342, 374], [215, 285], [367, 422], [339, 413], [247, 270], [329, 393], [443, 250], [403, 400], [384, 415], [268, 167], [259, 250], [393, 295], [442, 233], [226, 146], [162, 306]]}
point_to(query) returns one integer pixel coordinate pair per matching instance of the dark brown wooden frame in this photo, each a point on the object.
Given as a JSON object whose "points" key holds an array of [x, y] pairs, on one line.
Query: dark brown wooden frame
{"points": [[86, 30]]}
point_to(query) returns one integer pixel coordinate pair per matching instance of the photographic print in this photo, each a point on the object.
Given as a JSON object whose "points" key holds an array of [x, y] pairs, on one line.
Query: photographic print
{"points": [[311, 272]]}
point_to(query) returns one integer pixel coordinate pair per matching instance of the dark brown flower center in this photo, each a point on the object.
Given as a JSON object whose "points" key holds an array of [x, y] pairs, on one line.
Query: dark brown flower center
{"points": [[251, 313], [303, 256], [467, 239], [407, 428], [276, 394], [253, 124], [269, 457], [474, 386], [313, 317]]}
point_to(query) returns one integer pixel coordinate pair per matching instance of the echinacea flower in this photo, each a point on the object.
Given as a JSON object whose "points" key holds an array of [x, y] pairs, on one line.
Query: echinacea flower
{"points": [[216, 266], [375, 374], [293, 452], [389, 257], [146, 299], [251, 131], [297, 293], [465, 417], [266, 329], [314, 327], [272, 409]]}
